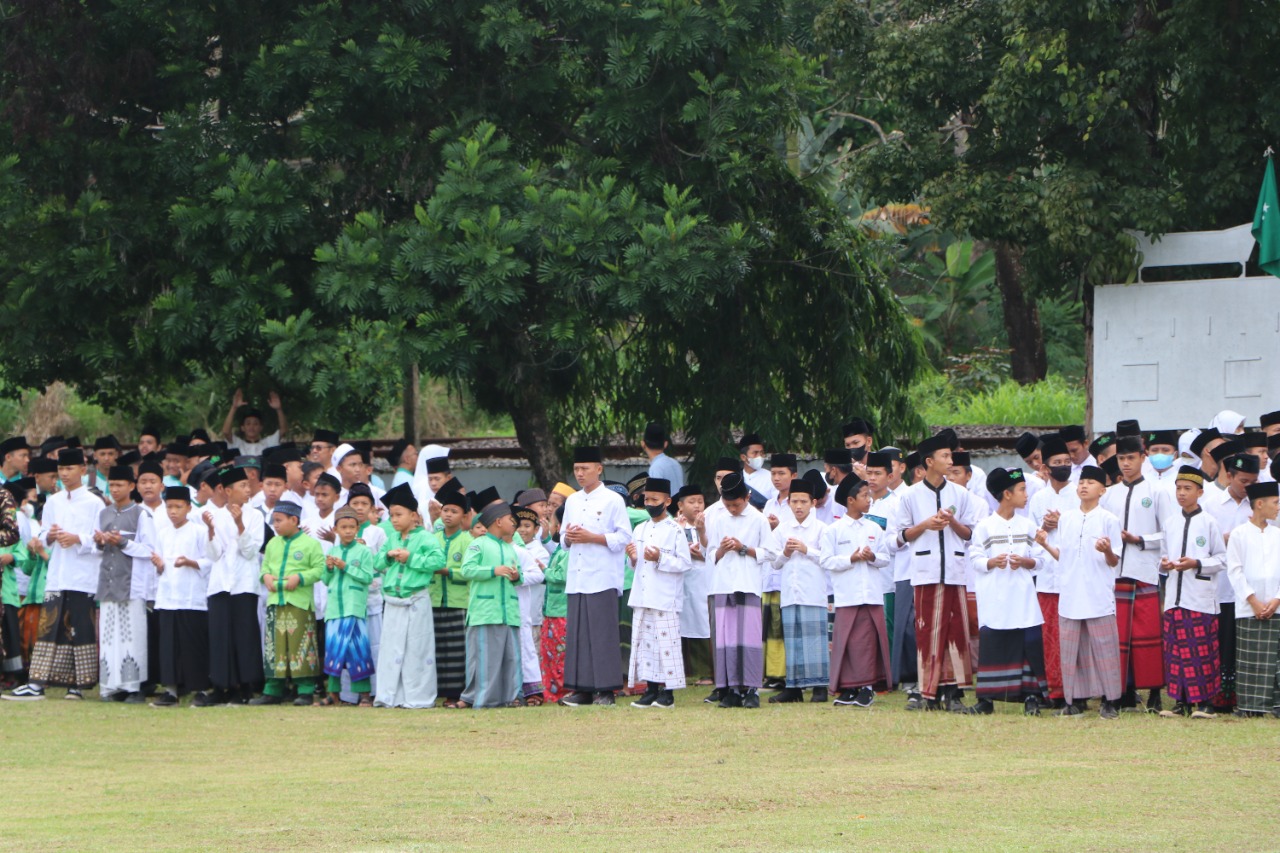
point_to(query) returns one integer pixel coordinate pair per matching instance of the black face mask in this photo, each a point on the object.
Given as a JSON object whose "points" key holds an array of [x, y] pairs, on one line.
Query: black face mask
{"points": [[858, 453], [655, 511], [1061, 473]]}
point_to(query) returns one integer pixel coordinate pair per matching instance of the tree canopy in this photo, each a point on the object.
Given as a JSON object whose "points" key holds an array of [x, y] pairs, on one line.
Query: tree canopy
{"points": [[576, 209]]}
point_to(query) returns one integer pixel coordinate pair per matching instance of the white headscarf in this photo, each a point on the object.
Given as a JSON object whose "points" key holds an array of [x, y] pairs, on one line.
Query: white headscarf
{"points": [[1228, 422], [421, 489], [1184, 444]]}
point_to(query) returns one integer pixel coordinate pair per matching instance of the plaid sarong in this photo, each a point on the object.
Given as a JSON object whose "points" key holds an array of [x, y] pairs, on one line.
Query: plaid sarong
{"points": [[1191, 655], [1090, 658], [1138, 623], [1257, 663], [1012, 664], [942, 637], [1049, 636], [655, 648], [736, 635], [450, 626], [775, 650], [804, 628]]}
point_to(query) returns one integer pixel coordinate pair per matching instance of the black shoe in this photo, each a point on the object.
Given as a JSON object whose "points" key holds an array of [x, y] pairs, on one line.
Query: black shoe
{"points": [[135, 698], [715, 696], [819, 695], [955, 705], [731, 699], [666, 699], [74, 695], [603, 698], [575, 699], [203, 700], [304, 699], [787, 694], [848, 697], [915, 702], [983, 706], [266, 699], [1154, 703], [1031, 707], [865, 697], [774, 684], [1128, 700], [164, 700], [650, 696], [751, 699], [1069, 710], [1109, 711], [1059, 704]]}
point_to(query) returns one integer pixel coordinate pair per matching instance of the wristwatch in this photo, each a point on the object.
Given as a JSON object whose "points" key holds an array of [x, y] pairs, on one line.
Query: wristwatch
{"points": [[742, 552]]}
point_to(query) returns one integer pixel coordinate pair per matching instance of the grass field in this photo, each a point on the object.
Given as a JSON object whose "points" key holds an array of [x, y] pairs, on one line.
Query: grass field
{"points": [[797, 777]]}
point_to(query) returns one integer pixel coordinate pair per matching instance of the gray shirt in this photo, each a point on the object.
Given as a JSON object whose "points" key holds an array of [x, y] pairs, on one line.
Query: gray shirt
{"points": [[115, 573], [666, 468]]}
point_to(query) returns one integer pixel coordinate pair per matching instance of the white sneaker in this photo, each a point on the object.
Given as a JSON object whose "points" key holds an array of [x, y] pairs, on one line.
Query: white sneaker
{"points": [[25, 693]]}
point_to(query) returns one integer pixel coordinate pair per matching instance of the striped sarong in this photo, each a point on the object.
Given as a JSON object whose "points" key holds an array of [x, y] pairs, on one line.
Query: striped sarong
{"points": [[451, 650], [1257, 663], [1012, 664], [942, 637], [1049, 636], [1138, 624], [775, 649], [737, 636], [804, 629], [346, 646], [655, 648], [859, 649], [1191, 655], [1090, 658]]}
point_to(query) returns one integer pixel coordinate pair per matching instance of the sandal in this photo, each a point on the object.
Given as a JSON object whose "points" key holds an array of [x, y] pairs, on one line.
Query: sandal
{"points": [[516, 703], [328, 701], [533, 701], [366, 701], [459, 705]]}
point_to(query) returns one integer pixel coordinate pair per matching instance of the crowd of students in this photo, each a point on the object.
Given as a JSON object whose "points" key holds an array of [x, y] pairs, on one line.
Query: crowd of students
{"points": [[251, 570]]}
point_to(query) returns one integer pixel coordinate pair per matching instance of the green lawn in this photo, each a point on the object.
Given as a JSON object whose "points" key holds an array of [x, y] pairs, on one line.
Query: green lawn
{"points": [[90, 775]]}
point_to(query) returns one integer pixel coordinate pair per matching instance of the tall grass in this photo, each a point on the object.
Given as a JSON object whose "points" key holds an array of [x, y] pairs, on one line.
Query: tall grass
{"points": [[1050, 402]]}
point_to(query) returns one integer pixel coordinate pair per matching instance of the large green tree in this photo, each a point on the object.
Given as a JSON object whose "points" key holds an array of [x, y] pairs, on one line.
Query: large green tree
{"points": [[573, 208]]}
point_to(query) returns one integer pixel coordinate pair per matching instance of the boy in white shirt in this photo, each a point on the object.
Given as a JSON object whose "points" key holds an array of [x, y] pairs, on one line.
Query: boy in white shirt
{"points": [[659, 552], [803, 589], [1087, 560], [182, 561], [857, 560], [1047, 506], [1193, 553], [1253, 565], [1004, 558]]}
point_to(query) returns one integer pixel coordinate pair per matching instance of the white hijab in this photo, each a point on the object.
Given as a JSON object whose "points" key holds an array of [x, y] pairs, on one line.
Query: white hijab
{"points": [[421, 489], [1228, 422]]}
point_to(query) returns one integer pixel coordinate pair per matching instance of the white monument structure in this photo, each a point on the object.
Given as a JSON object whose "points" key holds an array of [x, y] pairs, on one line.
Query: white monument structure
{"points": [[1173, 354]]}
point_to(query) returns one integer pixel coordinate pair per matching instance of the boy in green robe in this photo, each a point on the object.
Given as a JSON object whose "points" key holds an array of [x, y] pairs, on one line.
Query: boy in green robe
{"points": [[349, 568], [449, 594], [291, 565], [555, 609], [409, 562], [493, 616]]}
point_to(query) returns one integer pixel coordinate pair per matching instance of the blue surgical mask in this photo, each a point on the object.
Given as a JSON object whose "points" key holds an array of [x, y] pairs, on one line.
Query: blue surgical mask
{"points": [[1161, 461]]}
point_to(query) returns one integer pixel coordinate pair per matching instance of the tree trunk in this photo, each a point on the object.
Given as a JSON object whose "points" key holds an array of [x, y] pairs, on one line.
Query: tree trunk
{"points": [[528, 410], [1021, 318], [411, 404]]}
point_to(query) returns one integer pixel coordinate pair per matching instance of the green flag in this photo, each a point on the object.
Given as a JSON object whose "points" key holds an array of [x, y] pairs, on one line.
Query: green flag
{"points": [[1266, 223]]}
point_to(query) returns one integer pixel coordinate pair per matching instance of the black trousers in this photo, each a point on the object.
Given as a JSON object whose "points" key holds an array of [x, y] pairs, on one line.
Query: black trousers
{"points": [[235, 642]]}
